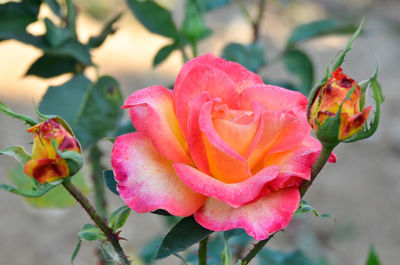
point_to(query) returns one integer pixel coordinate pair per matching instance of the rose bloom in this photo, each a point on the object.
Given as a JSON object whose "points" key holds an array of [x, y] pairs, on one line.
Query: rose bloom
{"points": [[222, 146], [46, 165]]}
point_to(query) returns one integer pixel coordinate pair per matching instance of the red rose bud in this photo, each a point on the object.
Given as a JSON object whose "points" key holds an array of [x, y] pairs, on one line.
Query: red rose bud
{"points": [[327, 102], [50, 141]]}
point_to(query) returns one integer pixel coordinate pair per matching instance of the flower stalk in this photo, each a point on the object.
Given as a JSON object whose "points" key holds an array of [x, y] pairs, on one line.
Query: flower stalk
{"points": [[108, 232], [203, 251]]}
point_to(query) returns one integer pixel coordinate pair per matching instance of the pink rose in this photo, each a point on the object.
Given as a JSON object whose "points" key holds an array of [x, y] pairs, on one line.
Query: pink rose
{"points": [[222, 146]]}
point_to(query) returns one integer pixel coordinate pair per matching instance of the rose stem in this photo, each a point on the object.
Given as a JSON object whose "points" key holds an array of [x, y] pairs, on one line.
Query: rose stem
{"points": [[257, 21], [203, 251], [99, 189], [316, 168], [108, 232]]}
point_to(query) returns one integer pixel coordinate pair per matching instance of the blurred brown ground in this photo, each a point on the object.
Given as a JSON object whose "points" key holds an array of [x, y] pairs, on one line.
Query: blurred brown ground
{"points": [[362, 189]]}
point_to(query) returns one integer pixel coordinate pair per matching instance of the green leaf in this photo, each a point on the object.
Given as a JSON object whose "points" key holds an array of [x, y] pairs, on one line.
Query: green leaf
{"points": [[194, 28], [54, 197], [305, 207], [183, 235], [48, 66], [95, 42], [54, 6], [250, 56], [71, 17], [270, 257], [65, 100], [55, 35], [15, 17], [71, 48], [372, 257], [149, 250], [318, 29], [163, 53], [110, 181], [90, 232], [17, 152], [208, 5], [76, 251], [100, 111], [32, 6], [154, 17], [27, 119], [299, 64], [118, 217]]}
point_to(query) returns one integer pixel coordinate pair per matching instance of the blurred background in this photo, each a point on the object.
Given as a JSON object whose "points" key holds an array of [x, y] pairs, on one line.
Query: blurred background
{"points": [[362, 190]]}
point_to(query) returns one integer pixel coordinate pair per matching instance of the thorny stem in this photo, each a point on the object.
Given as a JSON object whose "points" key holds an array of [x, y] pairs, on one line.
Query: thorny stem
{"points": [[108, 232], [99, 189], [203, 251], [316, 168]]}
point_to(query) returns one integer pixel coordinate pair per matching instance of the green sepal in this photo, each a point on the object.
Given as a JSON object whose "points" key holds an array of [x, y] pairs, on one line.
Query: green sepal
{"points": [[27, 119], [37, 191], [329, 70], [18, 152], [370, 128], [118, 217]]}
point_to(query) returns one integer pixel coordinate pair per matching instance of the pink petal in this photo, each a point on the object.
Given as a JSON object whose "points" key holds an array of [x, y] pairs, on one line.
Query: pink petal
{"points": [[279, 131], [295, 165], [225, 163], [194, 134], [273, 98], [203, 78], [152, 112], [238, 74], [235, 194], [260, 219], [147, 181]]}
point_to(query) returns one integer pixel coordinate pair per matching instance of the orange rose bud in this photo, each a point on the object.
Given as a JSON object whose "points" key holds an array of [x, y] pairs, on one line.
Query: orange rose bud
{"points": [[46, 164], [327, 102]]}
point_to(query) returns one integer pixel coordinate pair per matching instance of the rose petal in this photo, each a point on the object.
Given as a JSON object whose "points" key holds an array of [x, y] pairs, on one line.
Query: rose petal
{"points": [[147, 181], [238, 74], [225, 163], [235, 194], [194, 134], [199, 79], [273, 98], [279, 131], [295, 165], [238, 135], [260, 219], [152, 112]]}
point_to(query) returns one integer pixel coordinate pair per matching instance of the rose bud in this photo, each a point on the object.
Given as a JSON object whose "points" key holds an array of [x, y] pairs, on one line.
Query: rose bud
{"points": [[337, 101], [50, 141]]}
